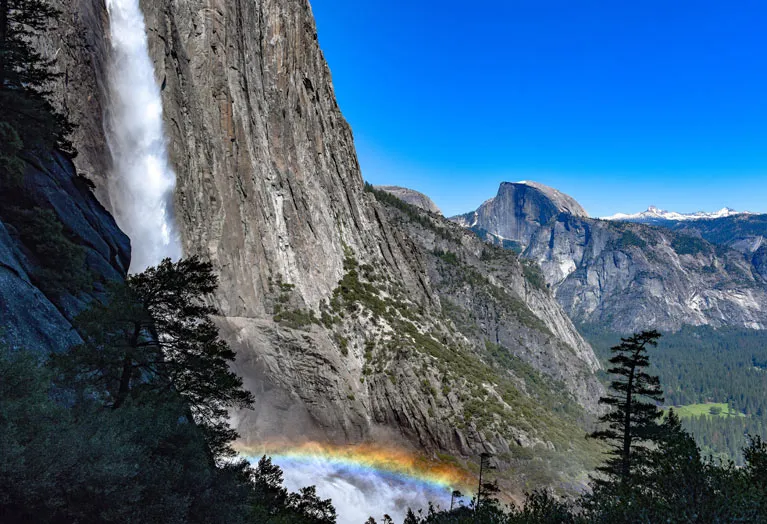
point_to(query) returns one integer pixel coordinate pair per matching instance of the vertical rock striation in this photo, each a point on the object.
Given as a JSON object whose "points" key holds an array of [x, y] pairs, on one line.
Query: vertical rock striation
{"points": [[80, 46], [341, 317], [518, 210], [630, 276]]}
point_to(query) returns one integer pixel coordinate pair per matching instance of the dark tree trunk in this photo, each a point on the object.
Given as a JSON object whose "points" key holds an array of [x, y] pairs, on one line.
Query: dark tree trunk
{"points": [[127, 371], [626, 464], [124, 391]]}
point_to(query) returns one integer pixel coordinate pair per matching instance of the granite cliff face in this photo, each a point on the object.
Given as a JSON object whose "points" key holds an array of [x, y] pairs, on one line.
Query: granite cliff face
{"points": [[34, 316], [80, 47], [494, 297], [414, 198], [350, 324], [746, 233], [270, 189], [518, 210], [630, 276]]}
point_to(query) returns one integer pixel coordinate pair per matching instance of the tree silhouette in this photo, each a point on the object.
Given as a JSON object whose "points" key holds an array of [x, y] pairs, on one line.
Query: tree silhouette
{"points": [[632, 420], [25, 76], [152, 334]]}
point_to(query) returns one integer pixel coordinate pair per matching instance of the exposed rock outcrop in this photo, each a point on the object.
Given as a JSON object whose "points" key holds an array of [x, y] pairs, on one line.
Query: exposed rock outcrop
{"points": [[744, 232], [336, 312], [412, 197], [38, 319], [496, 297], [80, 48], [270, 189], [630, 276], [518, 210]]}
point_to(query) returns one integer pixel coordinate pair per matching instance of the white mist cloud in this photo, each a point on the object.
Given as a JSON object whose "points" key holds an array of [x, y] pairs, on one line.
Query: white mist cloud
{"points": [[142, 183], [358, 494]]}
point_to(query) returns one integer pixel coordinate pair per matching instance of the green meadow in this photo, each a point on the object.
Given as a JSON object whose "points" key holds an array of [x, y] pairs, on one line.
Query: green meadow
{"points": [[711, 409]]}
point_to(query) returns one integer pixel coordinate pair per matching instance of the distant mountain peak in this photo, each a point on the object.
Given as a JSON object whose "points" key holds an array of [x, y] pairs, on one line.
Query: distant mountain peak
{"points": [[518, 210], [654, 213], [565, 203]]}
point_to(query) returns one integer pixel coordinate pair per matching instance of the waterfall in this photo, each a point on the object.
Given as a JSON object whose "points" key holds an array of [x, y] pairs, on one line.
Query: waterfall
{"points": [[141, 188], [142, 182]]}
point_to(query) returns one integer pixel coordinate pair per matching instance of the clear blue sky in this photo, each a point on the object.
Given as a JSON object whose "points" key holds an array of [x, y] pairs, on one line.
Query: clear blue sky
{"points": [[621, 104]]}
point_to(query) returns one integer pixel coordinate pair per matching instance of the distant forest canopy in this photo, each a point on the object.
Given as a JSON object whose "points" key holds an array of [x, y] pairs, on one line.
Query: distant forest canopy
{"points": [[654, 471], [700, 365]]}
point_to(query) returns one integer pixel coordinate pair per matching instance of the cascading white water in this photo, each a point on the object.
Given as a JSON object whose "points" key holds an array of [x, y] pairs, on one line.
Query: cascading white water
{"points": [[141, 192], [142, 183]]}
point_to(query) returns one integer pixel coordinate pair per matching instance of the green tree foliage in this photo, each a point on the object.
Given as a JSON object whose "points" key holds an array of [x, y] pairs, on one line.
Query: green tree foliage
{"points": [[703, 364], [276, 506], [29, 126], [540, 507], [677, 486], [674, 484], [127, 427], [631, 423], [671, 483], [155, 333], [10, 148], [59, 263], [25, 77], [67, 460]]}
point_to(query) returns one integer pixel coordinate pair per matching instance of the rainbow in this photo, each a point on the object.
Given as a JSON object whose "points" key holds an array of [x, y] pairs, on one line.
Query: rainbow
{"points": [[395, 463]]}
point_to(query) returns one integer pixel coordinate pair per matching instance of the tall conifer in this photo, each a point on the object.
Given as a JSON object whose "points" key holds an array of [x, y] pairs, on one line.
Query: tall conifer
{"points": [[632, 421]]}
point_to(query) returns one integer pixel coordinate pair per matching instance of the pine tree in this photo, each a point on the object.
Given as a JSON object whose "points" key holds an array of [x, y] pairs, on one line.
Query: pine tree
{"points": [[675, 478], [153, 334], [632, 420], [26, 76], [10, 148], [755, 455]]}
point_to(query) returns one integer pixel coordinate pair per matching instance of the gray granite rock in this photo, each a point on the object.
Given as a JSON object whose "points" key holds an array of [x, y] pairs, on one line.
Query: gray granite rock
{"points": [[412, 197], [518, 210], [626, 276], [333, 306], [32, 319]]}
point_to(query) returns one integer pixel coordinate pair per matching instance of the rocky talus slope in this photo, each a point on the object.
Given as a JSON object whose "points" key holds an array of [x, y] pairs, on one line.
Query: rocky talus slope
{"points": [[627, 276], [350, 324]]}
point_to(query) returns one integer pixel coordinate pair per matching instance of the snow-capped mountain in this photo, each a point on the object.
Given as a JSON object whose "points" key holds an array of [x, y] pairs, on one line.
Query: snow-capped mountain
{"points": [[654, 214]]}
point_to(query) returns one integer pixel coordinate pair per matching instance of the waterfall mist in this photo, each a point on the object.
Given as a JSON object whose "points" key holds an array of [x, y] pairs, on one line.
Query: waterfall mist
{"points": [[358, 494], [142, 182]]}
